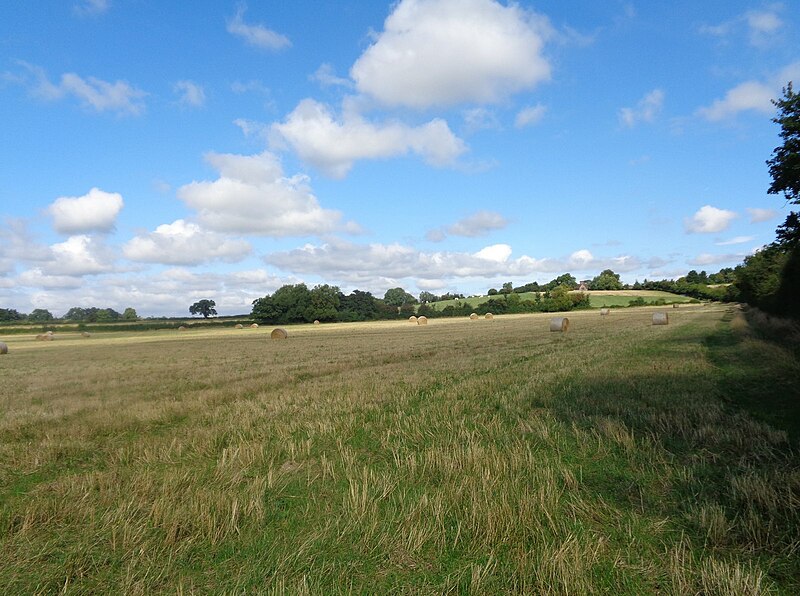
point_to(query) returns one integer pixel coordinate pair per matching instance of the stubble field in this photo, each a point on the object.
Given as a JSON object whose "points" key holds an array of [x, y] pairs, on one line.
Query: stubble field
{"points": [[459, 457]]}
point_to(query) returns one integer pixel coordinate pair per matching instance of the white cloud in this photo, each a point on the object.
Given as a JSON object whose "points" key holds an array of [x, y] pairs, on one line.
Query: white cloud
{"points": [[17, 245], [184, 243], [91, 7], [334, 145], [445, 52], [326, 77], [36, 278], [530, 116], [735, 240], [645, 111], [758, 215], [753, 95], [708, 259], [709, 220], [92, 92], [191, 94], [95, 211], [760, 26], [252, 196], [480, 119], [478, 224], [256, 35], [369, 264], [77, 256]]}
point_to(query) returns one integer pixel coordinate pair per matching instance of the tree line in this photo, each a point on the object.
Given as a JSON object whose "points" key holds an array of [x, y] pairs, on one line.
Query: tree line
{"points": [[76, 313]]}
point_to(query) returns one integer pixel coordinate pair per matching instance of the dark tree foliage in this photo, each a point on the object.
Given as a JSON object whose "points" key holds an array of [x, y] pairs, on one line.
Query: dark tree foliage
{"points": [[9, 314], [91, 314], [607, 280], [784, 166], [40, 315], [204, 307], [398, 297], [770, 279]]}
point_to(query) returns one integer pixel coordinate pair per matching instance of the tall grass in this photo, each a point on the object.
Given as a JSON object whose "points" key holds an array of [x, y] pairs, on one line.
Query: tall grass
{"points": [[461, 457]]}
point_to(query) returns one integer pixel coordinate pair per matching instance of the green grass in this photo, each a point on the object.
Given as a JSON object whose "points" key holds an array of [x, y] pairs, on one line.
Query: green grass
{"points": [[597, 298], [461, 457]]}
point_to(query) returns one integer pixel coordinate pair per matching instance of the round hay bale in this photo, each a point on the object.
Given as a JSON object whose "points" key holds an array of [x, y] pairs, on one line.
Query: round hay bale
{"points": [[488, 316], [50, 332], [473, 317], [239, 326], [316, 322], [45, 337], [422, 320], [674, 306], [3, 348], [181, 328], [254, 326], [86, 334], [604, 311], [559, 324], [412, 319], [660, 318], [279, 333]]}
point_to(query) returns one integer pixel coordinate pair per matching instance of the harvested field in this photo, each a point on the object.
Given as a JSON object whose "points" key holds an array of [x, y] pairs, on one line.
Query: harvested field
{"points": [[618, 458]]}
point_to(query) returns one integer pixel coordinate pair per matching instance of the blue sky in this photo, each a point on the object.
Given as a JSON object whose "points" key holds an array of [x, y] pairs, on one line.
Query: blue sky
{"points": [[157, 153]]}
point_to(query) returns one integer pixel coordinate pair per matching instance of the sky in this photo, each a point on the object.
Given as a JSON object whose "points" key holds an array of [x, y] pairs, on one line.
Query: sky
{"points": [[154, 153]]}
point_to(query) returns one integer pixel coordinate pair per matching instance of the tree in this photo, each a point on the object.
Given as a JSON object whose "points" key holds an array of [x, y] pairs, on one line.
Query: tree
{"points": [[607, 280], [203, 307], [10, 314], [398, 297], [358, 306], [130, 314], [323, 303], [507, 288], [784, 166], [427, 297], [40, 315]]}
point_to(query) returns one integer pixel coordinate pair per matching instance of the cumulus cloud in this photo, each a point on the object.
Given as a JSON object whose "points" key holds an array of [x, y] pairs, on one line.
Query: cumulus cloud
{"points": [[334, 145], [364, 264], [480, 119], [758, 215], [751, 95], [94, 93], [478, 224], [191, 94], [709, 220], [530, 116], [77, 256], [95, 211], [645, 111], [255, 35], [184, 243], [252, 196], [445, 52], [18, 246]]}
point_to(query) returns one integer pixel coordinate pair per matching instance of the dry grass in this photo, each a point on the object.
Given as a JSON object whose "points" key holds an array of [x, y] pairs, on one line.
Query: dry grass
{"points": [[391, 459]]}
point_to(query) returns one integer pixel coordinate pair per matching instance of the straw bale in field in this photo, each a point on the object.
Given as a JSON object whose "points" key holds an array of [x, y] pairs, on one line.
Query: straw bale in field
{"points": [[660, 318], [488, 316], [604, 311], [45, 337], [316, 322], [473, 316], [422, 320], [181, 328], [239, 326], [254, 326], [86, 334], [674, 306], [412, 319], [3, 348], [559, 324], [279, 333]]}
